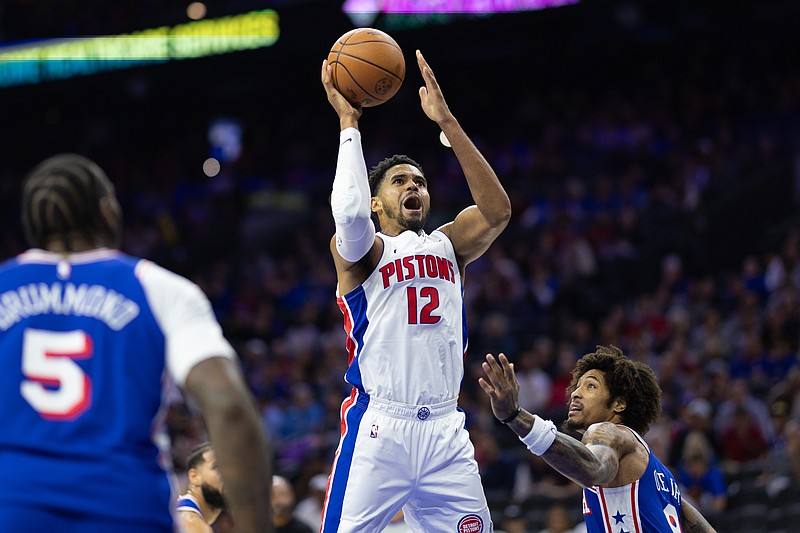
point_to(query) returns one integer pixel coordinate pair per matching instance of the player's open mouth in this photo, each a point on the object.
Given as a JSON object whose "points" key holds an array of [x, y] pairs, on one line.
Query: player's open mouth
{"points": [[574, 408], [412, 203]]}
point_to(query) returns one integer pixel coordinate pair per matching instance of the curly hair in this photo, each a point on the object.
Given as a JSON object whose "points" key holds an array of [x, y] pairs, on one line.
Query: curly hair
{"points": [[378, 172], [633, 381]]}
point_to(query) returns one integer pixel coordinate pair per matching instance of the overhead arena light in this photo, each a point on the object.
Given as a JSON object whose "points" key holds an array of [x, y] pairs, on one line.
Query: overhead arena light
{"points": [[364, 12], [53, 59]]}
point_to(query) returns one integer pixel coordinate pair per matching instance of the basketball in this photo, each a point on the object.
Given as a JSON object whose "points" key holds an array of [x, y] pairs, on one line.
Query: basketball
{"points": [[367, 66]]}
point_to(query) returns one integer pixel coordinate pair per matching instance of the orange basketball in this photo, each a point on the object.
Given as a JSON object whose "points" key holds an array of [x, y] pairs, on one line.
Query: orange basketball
{"points": [[367, 66]]}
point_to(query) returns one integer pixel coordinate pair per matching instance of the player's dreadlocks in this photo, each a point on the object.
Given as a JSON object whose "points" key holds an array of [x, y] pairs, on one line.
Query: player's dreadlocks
{"points": [[632, 380], [61, 199]]}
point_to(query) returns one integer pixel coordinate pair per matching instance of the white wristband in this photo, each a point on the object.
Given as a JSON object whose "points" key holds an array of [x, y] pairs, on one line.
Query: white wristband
{"points": [[541, 436]]}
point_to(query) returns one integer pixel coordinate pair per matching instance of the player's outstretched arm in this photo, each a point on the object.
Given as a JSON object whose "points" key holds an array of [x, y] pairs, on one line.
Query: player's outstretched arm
{"points": [[592, 461], [350, 194], [693, 521], [475, 228], [236, 433]]}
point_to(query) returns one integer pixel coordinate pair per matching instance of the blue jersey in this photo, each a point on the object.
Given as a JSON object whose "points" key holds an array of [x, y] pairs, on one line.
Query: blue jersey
{"points": [[648, 505], [189, 503], [88, 343]]}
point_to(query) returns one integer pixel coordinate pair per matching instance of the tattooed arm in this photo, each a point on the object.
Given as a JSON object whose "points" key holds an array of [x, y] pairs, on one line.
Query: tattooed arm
{"points": [[693, 521], [592, 461]]}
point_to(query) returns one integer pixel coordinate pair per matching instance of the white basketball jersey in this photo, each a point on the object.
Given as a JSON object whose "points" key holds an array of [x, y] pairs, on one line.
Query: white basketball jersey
{"points": [[406, 323]]}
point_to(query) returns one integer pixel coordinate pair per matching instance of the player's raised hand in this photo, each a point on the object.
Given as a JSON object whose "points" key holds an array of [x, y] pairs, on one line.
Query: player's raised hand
{"points": [[430, 95], [347, 112], [501, 385]]}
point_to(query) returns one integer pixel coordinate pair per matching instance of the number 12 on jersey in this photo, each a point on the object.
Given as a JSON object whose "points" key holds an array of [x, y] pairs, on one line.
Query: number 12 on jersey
{"points": [[428, 298]]}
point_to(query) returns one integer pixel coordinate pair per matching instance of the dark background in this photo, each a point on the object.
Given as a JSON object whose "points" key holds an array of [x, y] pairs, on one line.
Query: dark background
{"points": [[493, 70], [631, 135]]}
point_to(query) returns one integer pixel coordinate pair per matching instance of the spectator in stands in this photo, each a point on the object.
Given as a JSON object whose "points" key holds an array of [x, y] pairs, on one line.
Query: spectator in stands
{"points": [[512, 520], [558, 520], [697, 418], [700, 478], [283, 501], [535, 383], [740, 397], [309, 509], [743, 441]]}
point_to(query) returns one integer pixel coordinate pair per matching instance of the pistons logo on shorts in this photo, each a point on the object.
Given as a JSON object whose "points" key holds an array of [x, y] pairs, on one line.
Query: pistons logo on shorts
{"points": [[423, 413], [471, 523]]}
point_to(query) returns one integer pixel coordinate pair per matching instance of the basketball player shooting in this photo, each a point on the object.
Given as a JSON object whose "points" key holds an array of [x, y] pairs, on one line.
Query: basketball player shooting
{"points": [[403, 442]]}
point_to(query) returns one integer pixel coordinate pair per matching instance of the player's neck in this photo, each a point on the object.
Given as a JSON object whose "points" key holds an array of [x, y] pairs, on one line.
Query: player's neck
{"points": [[393, 230], [73, 243]]}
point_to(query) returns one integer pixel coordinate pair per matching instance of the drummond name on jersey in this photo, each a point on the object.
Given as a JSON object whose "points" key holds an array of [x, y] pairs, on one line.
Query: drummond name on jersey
{"points": [[96, 301]]}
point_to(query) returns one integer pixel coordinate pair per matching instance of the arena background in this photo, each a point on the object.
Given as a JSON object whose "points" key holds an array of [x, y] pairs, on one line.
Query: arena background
{"points": [[650, 150]]}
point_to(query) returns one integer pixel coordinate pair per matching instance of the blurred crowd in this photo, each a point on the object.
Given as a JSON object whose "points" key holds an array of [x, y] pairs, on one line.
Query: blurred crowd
{"points": [[621, 194]]}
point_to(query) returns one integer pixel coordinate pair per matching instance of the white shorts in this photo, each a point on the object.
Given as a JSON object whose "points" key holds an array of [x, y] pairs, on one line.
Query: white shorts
{"points": [[395, 456]]}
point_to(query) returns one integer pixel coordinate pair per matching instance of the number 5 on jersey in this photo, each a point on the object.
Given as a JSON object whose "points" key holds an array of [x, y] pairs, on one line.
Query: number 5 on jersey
{"points": [[428, 298], [56, 387]]}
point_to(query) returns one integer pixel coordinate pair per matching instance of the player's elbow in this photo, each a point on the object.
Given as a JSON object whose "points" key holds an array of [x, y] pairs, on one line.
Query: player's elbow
{"points": [[227, 403], [354, 251], [603, 466], [499, 217], [218, 389], [504, 217], [348, 203]]}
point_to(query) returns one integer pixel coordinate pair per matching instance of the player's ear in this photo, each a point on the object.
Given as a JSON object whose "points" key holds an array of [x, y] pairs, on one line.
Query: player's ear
{"points": [[619, 405], [375, 204], [194, 476]]}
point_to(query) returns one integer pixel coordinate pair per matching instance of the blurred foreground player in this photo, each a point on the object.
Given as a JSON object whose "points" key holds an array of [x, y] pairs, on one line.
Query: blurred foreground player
{"points": [[404, 444], [88, 336], [612, 401]]}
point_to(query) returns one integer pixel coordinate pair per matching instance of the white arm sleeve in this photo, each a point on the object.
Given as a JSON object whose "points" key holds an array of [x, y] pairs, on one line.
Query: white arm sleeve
{"points": [[350, 199], [185, 316]]}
